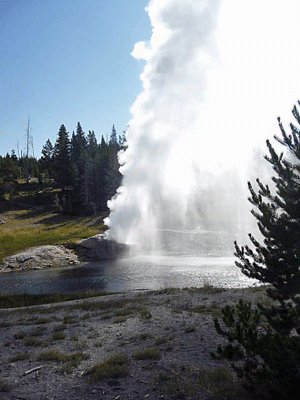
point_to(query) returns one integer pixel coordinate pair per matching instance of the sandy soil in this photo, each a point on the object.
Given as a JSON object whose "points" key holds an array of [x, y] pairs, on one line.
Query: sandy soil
{"points": [[177, 324]]}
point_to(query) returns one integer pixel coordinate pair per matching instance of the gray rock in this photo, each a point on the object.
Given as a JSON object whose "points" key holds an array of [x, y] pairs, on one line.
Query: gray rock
{"points": [[39, 257], [99, 248], [92, 248]]}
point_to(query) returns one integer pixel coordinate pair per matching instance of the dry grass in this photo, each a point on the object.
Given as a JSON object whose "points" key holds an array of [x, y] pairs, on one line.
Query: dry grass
{"points": [[147, 353], [111, 367], [69, 361], [27, 300]]}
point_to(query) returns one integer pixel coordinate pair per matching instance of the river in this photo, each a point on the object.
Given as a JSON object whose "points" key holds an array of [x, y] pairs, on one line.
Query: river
{"points": [[140, 272]]}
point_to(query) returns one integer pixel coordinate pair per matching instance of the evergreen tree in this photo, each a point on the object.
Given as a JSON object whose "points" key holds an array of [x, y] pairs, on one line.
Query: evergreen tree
{"points": [[102, 168], [122, 141], [62, 164], [276, 261], [113, 175], [46, 161], [29, 167], [267, 338], [92, 145], [78, 148], [78, 158], [90, 177], [14, 157], [9, 173]]}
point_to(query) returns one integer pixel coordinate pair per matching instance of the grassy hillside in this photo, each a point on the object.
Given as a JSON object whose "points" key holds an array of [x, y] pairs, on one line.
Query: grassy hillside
{"points": [[27, 223]]}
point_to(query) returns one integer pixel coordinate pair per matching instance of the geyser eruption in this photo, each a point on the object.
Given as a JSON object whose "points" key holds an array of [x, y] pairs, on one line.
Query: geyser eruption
{"points": [[217, 75]]}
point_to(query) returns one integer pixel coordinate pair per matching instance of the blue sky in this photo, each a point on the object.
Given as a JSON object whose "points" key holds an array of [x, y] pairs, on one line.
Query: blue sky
{"points": [[64, 61]]}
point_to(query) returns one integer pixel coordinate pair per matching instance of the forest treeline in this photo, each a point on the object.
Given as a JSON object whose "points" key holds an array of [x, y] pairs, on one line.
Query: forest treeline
{"points": [[84, 173]]}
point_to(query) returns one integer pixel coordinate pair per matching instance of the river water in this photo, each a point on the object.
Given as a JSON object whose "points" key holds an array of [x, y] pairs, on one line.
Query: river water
{"points": [[140, 272]]}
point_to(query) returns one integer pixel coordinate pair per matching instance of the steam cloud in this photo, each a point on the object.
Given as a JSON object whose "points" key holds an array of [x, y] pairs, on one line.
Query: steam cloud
{"points": [[217, 75]]}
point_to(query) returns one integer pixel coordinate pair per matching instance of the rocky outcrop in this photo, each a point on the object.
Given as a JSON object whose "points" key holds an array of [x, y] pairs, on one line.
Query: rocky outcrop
{"points": [[39, 257], [99, 248]]}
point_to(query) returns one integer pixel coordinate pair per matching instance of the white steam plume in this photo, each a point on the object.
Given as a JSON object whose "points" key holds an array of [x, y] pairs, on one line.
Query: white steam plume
{"points": [[217, 75]]}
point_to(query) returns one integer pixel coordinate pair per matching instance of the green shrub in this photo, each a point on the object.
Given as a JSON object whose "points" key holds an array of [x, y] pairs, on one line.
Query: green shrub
{"points": [[260, 338], [145, 314]]}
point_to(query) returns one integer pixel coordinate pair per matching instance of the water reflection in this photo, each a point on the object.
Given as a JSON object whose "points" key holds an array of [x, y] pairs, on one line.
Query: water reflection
{"points": [[142, 272]]}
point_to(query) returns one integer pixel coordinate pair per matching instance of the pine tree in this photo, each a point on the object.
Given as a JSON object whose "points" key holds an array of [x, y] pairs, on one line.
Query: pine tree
{"points": [[113, 176], [78, 148], [102, 168], [46, 161], [113, 141], [89, 179], [79, 170], [9, 173], [276, 261], [266, 338], [62, 164]]}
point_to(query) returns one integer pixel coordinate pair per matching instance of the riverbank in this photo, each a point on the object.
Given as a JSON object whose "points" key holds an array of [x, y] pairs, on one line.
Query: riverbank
{"points": [[136, 345]]}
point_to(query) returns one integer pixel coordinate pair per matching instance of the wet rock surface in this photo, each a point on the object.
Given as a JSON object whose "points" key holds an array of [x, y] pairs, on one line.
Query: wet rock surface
{"points": [[99, 248]]}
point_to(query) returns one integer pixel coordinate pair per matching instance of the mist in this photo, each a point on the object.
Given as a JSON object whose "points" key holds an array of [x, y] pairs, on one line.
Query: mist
{"points": [[217, 74]]}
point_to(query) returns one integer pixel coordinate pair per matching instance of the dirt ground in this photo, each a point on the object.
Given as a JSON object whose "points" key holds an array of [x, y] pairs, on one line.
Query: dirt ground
{"points": [[163, 337]]}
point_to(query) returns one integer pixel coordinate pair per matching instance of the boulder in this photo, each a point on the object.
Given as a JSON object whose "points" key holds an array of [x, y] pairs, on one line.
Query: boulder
{"points": [[99, 248]]}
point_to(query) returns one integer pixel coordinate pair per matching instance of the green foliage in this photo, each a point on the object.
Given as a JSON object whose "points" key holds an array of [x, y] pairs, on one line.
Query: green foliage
{"points": [[265, 339], [61, 155], [145, 313], [276, 261], [46, 161], [9, 173], [269, 352], [86, 172], [94, 171]]}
